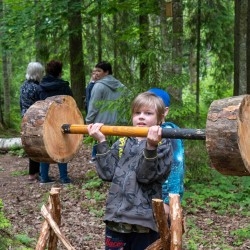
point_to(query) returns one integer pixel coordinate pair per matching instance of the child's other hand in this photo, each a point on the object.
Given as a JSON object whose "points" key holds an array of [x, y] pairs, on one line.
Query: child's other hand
{"points": [[154, 137], [94, 131]]}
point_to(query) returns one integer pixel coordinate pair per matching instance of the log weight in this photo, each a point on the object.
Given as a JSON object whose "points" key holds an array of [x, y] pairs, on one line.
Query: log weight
{"points": [[52, 131]]}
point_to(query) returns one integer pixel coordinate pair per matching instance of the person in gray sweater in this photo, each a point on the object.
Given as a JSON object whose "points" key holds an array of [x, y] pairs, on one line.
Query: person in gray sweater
{"points": [[136, 176], [106, 90]]}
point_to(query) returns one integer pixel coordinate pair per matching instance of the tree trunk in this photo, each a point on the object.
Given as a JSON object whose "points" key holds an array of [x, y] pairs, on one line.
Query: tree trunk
{"points": [[77, 74], [7, 143], [240, 47], [144, 35], [99, 33], [6, 86], [227, 138], [42, 50]]}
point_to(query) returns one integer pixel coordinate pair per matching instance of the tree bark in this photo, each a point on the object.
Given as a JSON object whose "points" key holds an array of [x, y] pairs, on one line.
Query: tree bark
{"points": [[42, 138], [240, 47], [54, 208], [56, 215], [56, 229], [8, 143], [227, 135], [162, 223], [176, 222], [77, 74]]}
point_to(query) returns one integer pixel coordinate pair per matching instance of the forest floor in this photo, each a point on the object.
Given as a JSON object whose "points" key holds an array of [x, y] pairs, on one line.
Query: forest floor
{"points": [[84, 230]]}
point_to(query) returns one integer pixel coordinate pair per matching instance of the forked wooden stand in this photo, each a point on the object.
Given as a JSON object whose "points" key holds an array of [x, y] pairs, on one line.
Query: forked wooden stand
{"points": [[50, 232], [170, 238]]}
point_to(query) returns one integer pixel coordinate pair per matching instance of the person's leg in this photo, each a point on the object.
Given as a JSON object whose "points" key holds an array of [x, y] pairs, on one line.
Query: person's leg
{"points": [[33, 170], [93, 153], [140, 241], [44, 172], [63, 170], [115, 240]]}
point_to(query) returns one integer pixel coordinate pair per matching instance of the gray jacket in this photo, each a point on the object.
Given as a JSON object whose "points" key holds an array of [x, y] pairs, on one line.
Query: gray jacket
{"points": [[136, 178], [103, 93]]}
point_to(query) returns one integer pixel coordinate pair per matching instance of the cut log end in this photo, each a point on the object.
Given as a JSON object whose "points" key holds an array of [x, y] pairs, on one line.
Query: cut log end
{"points": [[244, 131], [42, 137], [227, 134]]}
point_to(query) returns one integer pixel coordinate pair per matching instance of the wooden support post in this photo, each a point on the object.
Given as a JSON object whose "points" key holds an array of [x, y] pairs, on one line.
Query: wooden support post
{"points": [[161, 220], [170, 239], [176, 222], [55, 211], [45, 231], [56, 229]]}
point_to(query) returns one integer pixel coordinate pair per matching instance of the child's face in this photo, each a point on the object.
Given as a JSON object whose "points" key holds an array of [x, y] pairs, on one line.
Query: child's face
{"points": [[94, 75], [145, 117]]}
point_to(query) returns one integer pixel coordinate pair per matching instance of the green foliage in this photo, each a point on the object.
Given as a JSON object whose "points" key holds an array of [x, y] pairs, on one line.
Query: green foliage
{"points": [[94, 189], [93, 183], [19, 173], [27, 23], [24, 239], [241, 235], [194, 235], [222, 194], [17, 151], [5, 225], [196, 160]]}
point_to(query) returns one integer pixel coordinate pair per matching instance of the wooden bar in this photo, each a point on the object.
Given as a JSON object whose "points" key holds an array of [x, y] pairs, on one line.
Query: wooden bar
{"points": [[194, 134]]}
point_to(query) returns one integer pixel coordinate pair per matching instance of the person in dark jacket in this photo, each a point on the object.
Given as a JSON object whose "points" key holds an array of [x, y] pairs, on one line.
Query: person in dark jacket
{"points": [[89, 89], [52, 84], [28, 96]]}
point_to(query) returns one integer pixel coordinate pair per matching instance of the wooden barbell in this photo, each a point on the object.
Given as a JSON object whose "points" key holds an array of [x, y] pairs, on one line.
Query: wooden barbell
{"points": [[52, 131]]}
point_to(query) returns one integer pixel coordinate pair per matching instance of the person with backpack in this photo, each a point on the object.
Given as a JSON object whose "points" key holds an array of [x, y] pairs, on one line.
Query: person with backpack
{"points": [[174, 184]]}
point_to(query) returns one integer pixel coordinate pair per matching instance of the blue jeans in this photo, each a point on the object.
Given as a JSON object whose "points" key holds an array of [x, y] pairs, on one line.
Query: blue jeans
{"points": [[129, 241], [44, 171], [94, 151]]}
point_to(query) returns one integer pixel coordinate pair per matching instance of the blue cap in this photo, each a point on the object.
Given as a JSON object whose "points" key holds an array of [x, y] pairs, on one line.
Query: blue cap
{"points": [[162, 94]]}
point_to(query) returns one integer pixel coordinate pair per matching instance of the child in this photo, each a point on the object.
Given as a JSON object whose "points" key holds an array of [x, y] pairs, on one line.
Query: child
{"points": [[175, 182], [136, 176]]}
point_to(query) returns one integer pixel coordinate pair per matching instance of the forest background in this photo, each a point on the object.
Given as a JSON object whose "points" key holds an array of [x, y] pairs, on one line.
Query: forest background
{"points": [[196, 50]]}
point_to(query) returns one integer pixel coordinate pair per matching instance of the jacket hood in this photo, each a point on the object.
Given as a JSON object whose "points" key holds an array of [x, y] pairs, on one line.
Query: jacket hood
{"points": [[111, 82]]}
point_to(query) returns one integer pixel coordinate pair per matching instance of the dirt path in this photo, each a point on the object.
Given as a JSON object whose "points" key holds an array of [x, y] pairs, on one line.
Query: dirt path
{"points": [[85, 231], [23, 201]]}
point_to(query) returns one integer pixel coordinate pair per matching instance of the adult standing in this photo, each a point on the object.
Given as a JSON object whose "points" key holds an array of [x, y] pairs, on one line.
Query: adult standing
{"points": [[106, 89], [28, 96], [52, 84]]}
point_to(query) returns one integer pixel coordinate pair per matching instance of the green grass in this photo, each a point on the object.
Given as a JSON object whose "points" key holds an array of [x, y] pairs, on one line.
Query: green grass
{"points": [[19, 173], [221, 195], [95, 192]]}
